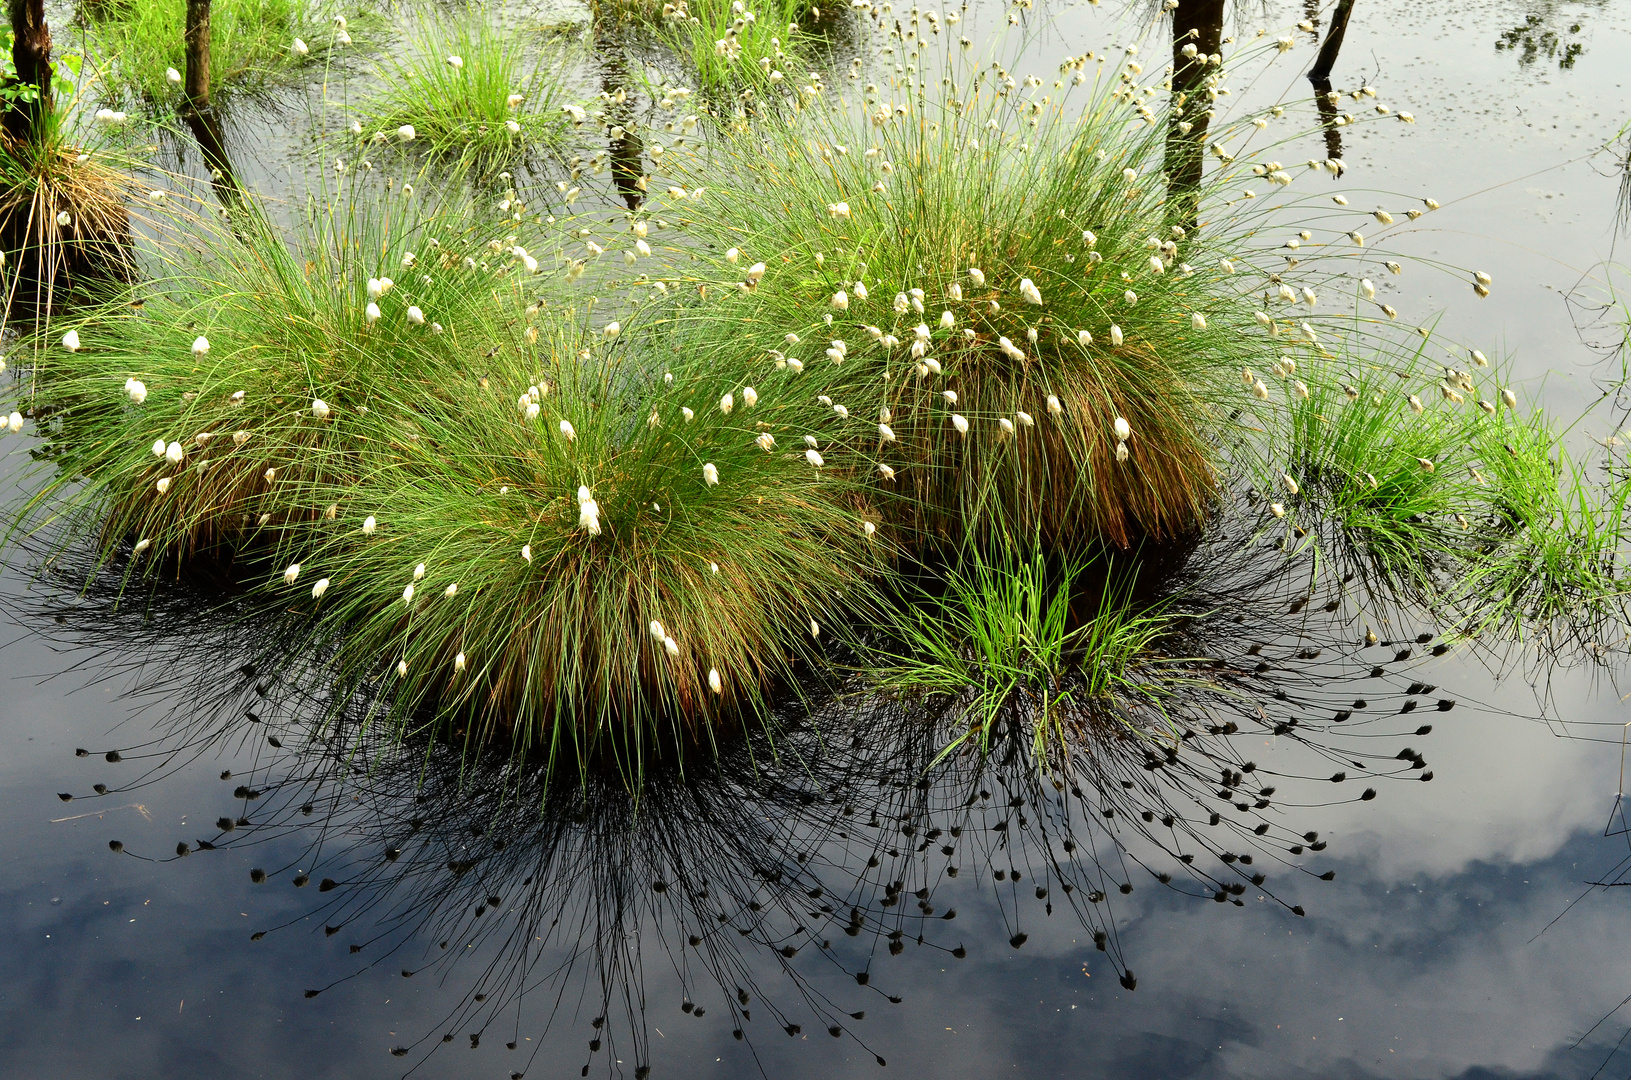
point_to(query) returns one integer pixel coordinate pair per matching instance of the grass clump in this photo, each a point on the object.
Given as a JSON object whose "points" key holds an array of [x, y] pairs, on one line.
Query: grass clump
{"points": [[738, 47], [252, 44], [1008, 636], [1377, 460], [703, 572], [470, 92], [1439, 489], [731, 48], [1043, 344], [493, 510], [1554, 543], [65, 226]]}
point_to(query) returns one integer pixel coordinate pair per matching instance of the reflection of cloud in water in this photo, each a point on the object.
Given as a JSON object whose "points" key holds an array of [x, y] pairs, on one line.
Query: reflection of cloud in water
{"points": [[1424, 979]]}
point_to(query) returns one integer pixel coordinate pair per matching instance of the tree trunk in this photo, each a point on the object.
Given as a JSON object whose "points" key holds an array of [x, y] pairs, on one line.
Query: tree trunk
{"points": [[31, 55], [198, 54], [1321, 71], [1198, 23], [197, 113]]}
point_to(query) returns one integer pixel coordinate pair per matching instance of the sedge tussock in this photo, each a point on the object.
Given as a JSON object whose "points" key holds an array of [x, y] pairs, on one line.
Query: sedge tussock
{"points": [[470, 91], [414, 438], [252, 44]]}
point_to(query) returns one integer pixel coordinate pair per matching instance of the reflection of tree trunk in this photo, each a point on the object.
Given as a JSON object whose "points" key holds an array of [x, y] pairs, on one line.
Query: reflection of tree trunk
{"points": [[1321, 71], [206, 128], [31, 55], [627, 151], [626, 170], [1327, 108], [1198, 23], [197, 40]]}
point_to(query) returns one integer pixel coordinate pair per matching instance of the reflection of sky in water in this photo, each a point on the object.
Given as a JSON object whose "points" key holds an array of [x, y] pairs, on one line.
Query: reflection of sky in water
{"points": [[1421, 960]]}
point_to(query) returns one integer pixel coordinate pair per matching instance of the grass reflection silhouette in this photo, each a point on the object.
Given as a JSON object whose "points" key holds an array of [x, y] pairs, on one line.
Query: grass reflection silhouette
{"points": [[778, 877]]}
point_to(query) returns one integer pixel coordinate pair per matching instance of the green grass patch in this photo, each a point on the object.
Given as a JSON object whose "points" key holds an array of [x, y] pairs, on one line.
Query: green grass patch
{"points": [[471, 92], [252, 44], [411, 466], [1007, 636], [1439, 489], [1009, 296], [734, 50]]}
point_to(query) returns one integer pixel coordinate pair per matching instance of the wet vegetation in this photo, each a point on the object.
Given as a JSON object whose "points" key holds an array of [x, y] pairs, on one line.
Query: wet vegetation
{"points": [[724, 508], [256, 46], [939, 322], [470, 92]]}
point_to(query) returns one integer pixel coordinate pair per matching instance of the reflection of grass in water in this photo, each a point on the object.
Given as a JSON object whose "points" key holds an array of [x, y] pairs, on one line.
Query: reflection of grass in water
{"points": [[834, 847], [251, 43], [464, 111], [1534, 37]]}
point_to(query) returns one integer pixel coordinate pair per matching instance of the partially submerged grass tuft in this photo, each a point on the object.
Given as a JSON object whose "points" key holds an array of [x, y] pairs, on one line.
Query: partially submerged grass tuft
{"points": [[1006, 636], [415, 480], [730, 47], [898, 230], [251, 44], [1419, 479], [65, 226], [464, 110]]}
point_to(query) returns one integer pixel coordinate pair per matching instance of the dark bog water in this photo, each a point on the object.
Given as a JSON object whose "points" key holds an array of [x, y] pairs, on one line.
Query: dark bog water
{"points": [[831, 896]]}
